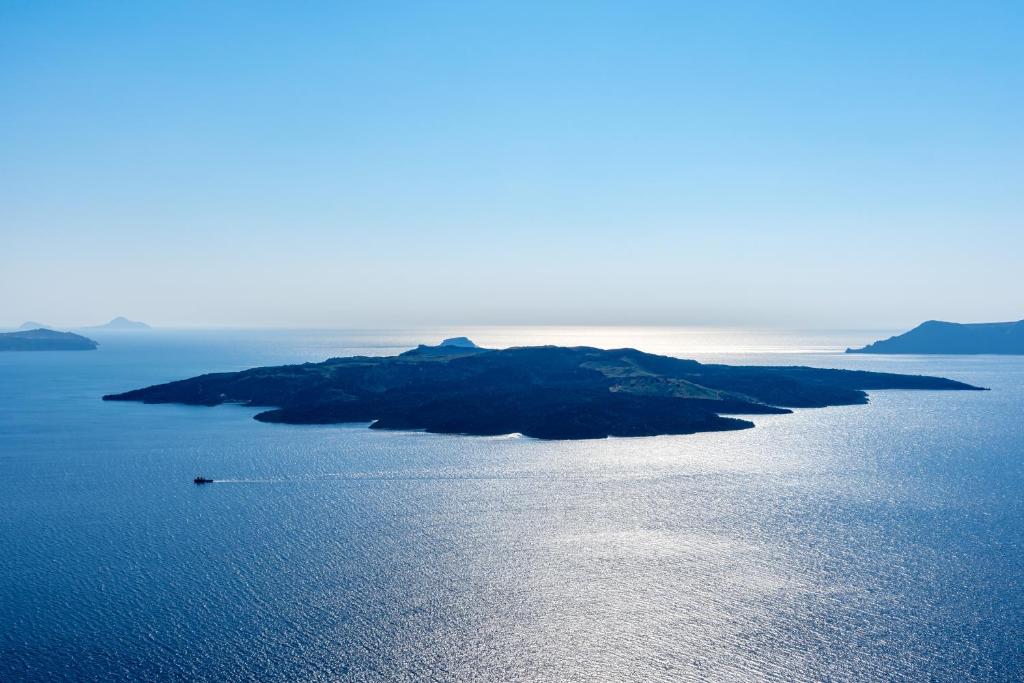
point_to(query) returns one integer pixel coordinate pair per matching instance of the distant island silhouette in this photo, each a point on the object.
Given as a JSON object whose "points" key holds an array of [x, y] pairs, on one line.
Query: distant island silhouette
{"points": [[936, 336], [464, 342], [33, 325], [120, 323], [41, 339], [547, 392]]}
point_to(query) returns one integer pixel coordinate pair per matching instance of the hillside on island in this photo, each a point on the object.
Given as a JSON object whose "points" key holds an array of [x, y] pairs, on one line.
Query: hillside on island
{"points": [[940, 337], [45, 340], [547, 392]]}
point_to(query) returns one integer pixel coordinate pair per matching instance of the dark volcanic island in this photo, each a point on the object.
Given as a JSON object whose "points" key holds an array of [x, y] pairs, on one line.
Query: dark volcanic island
{"points": [[547, 392]]}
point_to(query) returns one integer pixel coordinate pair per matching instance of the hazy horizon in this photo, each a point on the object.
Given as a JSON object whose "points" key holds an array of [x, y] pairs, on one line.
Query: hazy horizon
{"points": [[455, 327], [592, 164]]}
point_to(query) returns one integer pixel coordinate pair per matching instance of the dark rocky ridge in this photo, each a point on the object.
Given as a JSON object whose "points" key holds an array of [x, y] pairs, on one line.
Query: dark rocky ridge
{"points": [[546, 392], [936, 336], [45, 340]]}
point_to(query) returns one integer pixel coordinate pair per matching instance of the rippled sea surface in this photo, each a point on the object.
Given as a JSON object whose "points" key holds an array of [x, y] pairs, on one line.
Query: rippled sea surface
{"points": [[882, 542]]}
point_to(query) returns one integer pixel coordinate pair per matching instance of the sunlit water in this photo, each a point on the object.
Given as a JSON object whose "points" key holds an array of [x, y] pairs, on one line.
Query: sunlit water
{"points": [[879, 542]]}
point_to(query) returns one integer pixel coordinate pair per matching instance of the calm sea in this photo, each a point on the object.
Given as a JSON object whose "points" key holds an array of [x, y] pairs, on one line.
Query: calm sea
{"points": [[882, 542]]}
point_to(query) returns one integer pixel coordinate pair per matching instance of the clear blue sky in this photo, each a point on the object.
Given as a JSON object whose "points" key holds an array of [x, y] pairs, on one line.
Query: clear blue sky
{"points": [[344, 163]]}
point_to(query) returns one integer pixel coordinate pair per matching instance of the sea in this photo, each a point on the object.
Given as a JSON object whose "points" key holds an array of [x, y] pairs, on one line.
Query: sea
{"points": [[882, 542]]}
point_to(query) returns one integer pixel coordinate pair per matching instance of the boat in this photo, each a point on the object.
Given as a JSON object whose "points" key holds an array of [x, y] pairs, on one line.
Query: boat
{"points": [[202, 480]]}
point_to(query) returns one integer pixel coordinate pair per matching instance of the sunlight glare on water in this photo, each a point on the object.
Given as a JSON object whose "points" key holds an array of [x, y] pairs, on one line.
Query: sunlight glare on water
{"points": [[878, 542]]}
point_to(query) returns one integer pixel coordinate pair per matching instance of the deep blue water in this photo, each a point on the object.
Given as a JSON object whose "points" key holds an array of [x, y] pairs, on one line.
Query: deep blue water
{"points": [[879, 542]]}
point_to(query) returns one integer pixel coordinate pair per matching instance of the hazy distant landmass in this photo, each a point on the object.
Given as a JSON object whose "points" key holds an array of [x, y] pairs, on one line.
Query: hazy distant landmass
{"points": [[45, 340], [33, 325], [547, 392], [120, 323], [464, 342], [936, 336]]}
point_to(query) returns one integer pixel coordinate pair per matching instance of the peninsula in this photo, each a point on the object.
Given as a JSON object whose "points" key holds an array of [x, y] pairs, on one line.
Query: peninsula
{"points": [[45, 340], [547, 392], [936, 336]]}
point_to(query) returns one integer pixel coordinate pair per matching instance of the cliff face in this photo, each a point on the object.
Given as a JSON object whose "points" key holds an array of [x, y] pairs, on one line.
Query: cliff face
{"points": [[940, 337], [546, 392], [45, 340]]}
